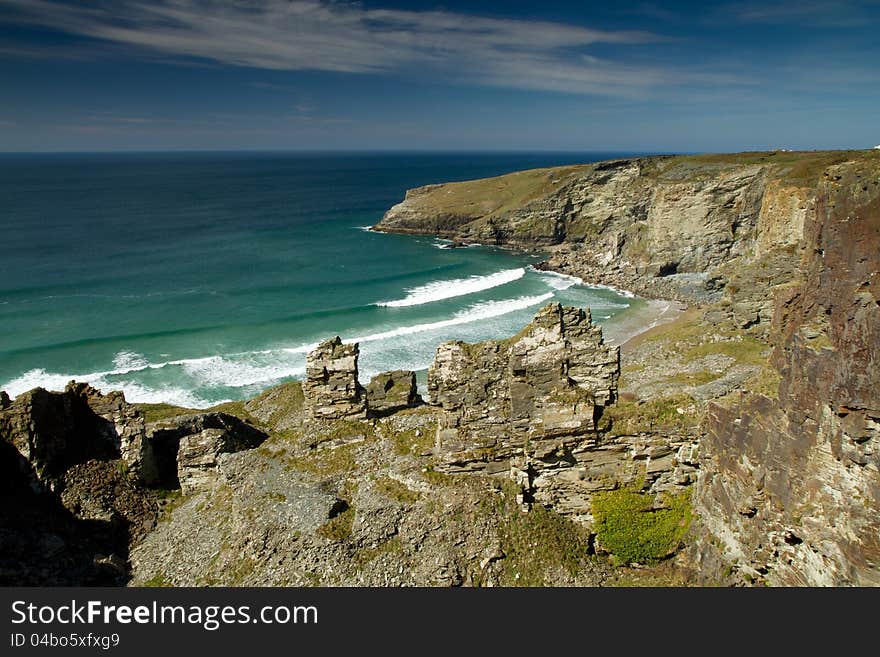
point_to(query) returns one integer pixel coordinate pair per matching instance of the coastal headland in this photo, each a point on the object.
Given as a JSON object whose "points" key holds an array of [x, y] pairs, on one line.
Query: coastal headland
{"points": [[736, 444]]}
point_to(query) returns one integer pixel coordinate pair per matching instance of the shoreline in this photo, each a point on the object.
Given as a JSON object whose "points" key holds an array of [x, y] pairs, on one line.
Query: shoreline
{"points": [[667, 310], [656, 312]]}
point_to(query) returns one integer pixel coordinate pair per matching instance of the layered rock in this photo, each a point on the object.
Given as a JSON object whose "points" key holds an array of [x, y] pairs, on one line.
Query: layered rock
{"points": [[551, 380], [54, 431], [389, 392], [532, 407], [331, 388], [658, 226], [187, 451], [791, 486]]}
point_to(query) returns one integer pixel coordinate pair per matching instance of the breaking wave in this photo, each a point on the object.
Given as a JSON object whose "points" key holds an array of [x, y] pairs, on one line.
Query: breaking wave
{"points": [[456, 287]]}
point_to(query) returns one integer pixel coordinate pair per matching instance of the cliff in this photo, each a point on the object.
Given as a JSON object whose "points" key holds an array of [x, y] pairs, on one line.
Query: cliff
{"points": [[776, 374], [660, 226], [791, 482]]}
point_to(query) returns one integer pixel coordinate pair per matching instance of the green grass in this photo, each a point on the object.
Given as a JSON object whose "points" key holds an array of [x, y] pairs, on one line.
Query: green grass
{"points": [[326, 461], [236, 408], [158, 581], [745, 349], [156, 412], [629, 528], [339, 528], [364, 556], [693, 378], [277, 404], [408, 443], [395, 490], [630, 417], [438, 478], [536, 544]]}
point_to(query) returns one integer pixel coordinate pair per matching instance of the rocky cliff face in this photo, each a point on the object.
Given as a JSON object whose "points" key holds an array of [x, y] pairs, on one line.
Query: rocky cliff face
{"points": [[78, 467], [657, 226], [791, 486]]}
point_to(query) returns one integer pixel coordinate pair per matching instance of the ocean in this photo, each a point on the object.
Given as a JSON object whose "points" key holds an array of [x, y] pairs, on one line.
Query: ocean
{"points": [[198, 278]]}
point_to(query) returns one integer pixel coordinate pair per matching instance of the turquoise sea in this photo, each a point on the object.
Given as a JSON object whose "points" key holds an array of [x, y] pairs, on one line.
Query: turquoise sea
{"points": [[197, 278]]}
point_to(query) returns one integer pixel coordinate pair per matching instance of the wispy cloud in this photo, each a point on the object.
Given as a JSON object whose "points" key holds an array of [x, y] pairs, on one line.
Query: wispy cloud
{"points": [[349, 38], [814, 13]]}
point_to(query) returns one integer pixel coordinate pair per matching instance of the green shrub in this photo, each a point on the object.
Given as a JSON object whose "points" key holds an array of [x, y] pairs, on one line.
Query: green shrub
{"points": [[628, 526]]}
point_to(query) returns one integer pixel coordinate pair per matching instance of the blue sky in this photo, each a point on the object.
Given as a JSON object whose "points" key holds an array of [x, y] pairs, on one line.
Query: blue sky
{"points": [[316, 75]]}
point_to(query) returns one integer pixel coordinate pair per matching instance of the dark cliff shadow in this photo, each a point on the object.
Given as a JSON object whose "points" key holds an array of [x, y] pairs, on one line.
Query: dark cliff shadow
{"points": [[43, 544]]}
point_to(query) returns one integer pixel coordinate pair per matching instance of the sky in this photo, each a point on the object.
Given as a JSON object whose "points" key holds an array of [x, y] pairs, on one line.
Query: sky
{"points": [[111, 75]]}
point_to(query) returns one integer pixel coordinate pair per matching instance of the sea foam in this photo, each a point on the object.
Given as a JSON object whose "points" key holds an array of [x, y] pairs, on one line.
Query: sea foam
{"points": [[456, 287], [556, 280], [474, 313]]}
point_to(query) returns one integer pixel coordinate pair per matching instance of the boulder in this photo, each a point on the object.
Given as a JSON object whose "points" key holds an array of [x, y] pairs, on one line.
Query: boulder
{"points": [[185, 450], [390, 392]]}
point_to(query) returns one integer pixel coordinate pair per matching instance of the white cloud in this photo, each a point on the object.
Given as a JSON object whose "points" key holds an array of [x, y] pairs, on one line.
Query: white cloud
{"points": [[348, 38]]}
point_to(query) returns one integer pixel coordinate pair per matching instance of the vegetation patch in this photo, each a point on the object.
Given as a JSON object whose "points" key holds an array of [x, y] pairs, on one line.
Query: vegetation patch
{"points": [[156, 412], [342, 429], [676, 413], [629, 527], [236, 408], [744, 348], [694, 378], [338, 528], [413, 441], [395, 490], [364, 556], [325, 461], [438, 478], [278, 404], [537, 544], [158, 581]]}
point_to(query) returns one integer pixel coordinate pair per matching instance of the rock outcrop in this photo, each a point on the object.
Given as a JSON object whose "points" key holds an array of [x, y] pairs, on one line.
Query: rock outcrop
{"points": [[532, 407], [186, 451], [331, 387], [552, 380], [69, 510], [54, 431], [389, 392], [74, 467]]}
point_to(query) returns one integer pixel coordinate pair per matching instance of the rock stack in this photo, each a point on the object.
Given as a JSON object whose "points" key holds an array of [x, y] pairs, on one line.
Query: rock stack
{"points": [[331, 389]]}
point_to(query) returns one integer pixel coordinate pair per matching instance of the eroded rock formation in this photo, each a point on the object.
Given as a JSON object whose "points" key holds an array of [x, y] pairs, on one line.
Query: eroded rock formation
{"points": [[186, 451], [331, 386], [389, 392], [552, 380], [532, 407]]}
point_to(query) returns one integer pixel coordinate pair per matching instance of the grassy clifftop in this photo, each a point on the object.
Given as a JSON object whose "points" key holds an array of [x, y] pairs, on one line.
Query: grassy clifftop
{"points": [[496, 198]]}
